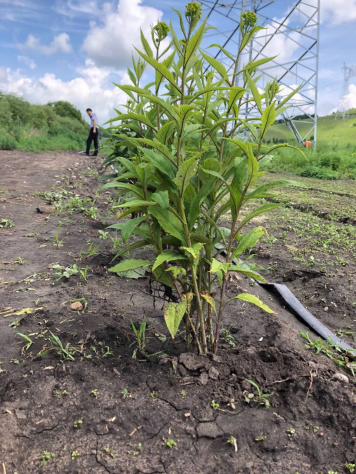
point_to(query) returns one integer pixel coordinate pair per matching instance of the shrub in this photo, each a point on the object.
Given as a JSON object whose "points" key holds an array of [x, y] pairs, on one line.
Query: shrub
{"points": [[185, 165]]}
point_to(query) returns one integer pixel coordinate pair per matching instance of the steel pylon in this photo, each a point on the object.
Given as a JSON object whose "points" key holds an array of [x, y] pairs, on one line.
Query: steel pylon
{"points": [[292, 33]]}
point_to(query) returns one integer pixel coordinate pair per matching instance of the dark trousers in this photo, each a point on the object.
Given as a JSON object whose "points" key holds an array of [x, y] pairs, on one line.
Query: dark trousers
{"points": [[93, 136]]}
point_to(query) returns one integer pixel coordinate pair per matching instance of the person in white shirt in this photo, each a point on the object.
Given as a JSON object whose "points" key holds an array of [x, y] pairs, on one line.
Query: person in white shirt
{"points": [[93, 134]]}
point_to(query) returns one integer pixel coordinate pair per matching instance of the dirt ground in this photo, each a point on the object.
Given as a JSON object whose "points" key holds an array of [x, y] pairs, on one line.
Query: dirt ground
{"points": [[107, 412]]}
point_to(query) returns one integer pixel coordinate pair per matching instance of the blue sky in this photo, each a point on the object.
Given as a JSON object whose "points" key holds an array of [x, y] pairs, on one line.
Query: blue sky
{"points": [[74, 49]]}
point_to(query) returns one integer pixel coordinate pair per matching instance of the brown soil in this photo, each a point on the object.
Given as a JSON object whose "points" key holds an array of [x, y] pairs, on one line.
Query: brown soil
{"points": [[141, 403]]}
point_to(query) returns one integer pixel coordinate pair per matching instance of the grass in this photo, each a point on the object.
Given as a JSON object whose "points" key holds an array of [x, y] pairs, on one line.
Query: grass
{"points": [[329, 161], [37, 128]]}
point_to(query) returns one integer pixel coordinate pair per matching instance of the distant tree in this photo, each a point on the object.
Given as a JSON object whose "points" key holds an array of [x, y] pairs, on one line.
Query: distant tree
{"points": [[65, 109]]}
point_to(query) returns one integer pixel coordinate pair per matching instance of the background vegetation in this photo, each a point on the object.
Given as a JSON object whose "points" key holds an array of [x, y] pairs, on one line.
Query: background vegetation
{"points": [[29, 127]]}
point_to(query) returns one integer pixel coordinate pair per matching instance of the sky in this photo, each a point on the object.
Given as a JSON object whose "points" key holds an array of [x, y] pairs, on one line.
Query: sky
{"points": [[75, 50]]}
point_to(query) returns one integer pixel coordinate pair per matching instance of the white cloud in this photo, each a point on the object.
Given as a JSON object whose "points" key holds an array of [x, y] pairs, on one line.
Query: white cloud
{"points": [[92, 88], [60, 44], [338, 11], [110, 44], [28, 61], [349, 101]]}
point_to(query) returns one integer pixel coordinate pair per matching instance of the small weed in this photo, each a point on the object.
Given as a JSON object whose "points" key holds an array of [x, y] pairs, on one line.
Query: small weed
{"points": [[109, 452], [65, 392], [312, 428], [153, 394], [290, 432], [225, 336], [232, 442], [107, 353], [46, 456], [6, 224], [261, 397], [214, 405], [57, 242], [77, 423], [170, 443], [75, 454], [65, 352], [125, 393], [14, 361], [83, 272], [140, 336], [350, 467], [137, 452], [94, 393], [14, 324], [103, 235], [64, 272], [260, 438], [29, 342]]}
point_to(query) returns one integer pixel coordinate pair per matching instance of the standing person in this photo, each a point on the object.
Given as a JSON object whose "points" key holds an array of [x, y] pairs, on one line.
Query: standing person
{"points": [[93, 134]]}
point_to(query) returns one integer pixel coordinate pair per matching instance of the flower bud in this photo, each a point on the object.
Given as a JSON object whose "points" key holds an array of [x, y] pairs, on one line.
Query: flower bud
{"points": [[193, 12], [161, 31], [249, 19]]}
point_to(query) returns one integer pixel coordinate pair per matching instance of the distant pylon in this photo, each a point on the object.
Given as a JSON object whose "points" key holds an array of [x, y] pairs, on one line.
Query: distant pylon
{"points": [[343, 107]]}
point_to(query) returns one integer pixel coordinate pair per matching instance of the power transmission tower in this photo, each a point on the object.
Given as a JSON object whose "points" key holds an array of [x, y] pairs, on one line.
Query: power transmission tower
{"points": [[343, 107], [292, 33]]}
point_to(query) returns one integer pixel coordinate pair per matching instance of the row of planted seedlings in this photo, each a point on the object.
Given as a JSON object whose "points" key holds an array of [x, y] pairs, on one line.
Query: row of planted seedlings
{"points": [[181, 165]]}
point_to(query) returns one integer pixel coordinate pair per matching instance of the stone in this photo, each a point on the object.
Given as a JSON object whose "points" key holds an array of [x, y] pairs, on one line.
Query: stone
{"points": [[204, 378], [209, 430], [340, 377], [326, 309], [216, 358], [20, 415], [76, 306], [192, 361], [214, 373]]}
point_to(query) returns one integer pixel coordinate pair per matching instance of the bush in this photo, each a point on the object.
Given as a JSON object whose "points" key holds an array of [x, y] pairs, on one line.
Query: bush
{"points": [[7, 142]]}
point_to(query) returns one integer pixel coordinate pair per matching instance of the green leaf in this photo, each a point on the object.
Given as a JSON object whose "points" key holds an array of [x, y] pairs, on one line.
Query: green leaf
{"points": [[134, 116], [169, 223], [167, 256], [235, 94], [185, 171], [129, 248], [194, 42], [146, 45], [247, 272], [254, 300], [255, 93], [136, 203], [180, 21], [248, 241], [161, 198], [223, 50], [160, 274], [210, 300], [159, 161], [173, 315], [165, 132], [127, 265], [217, 266], [161, 69], [176, 41], [128, 186], [194, 251], [130, 226], [283, 145], [257, 63], [131, 76], [195, 205], [268, 118], [289, 96], [215, 64]]}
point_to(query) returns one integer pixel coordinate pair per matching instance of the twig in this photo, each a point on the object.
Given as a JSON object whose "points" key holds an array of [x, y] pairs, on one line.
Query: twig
{"points": [[312, 374], [3, 468], [280, 381]]}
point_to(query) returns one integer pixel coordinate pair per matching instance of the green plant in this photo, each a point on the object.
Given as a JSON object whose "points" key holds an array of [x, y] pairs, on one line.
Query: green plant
{"points": [[6, 224], [232, 442], [94, 393], [260, 438], [28, 340], [46, 456], [214, 405], [261, 397], [350, 467], [170, 443], [107, 352], [291, 432], [65, 352], [109, 452], [83, 272], [15, 324], [77, 423], [140, 336], [125, 393], [14, 361], [183, 164], [57, 242], [103, 235], [75, 454], [64, 272]]}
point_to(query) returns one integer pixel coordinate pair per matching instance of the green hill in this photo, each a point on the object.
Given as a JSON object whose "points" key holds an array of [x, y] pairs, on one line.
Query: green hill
{"points": [[30, 127], [329, 129]]}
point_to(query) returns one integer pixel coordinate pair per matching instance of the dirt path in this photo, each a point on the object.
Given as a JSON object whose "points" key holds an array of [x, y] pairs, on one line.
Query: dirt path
{"points": [[107, 412]]}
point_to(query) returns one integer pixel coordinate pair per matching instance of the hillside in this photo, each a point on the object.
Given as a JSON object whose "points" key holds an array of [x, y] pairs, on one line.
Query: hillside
{"points": [[329, 129], [29, 127]]}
